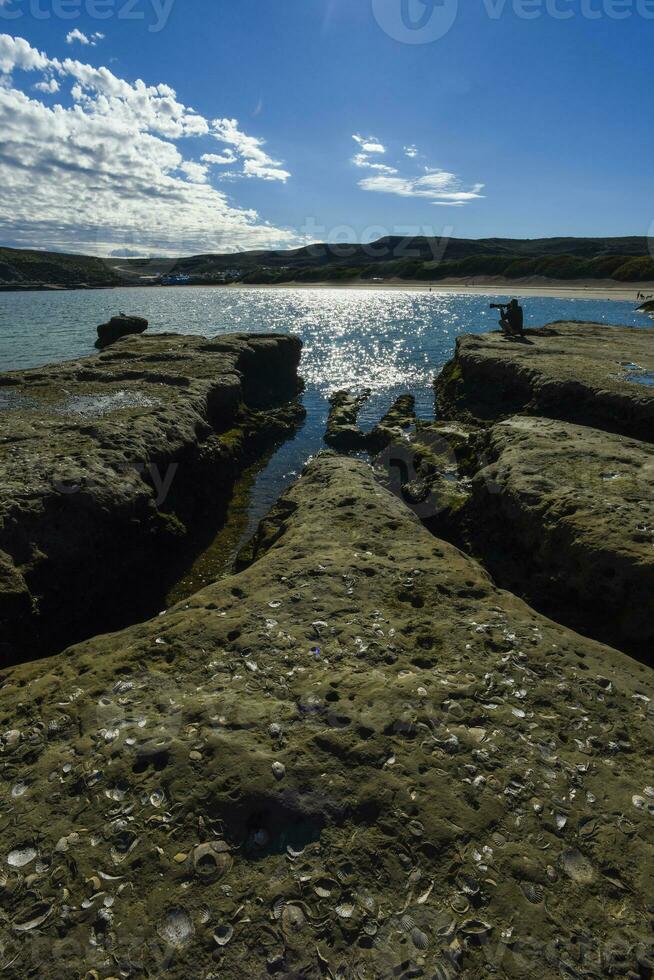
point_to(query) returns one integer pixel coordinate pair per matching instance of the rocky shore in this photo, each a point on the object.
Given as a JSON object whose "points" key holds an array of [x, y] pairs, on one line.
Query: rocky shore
{"points": [[585, 373], [358, 756], [111, 465]]}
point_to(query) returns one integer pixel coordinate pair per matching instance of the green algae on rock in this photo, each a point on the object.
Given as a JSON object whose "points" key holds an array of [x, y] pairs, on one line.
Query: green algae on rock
{"points": [[564, 515], [110, 464], [357, 757], [585, 373]]}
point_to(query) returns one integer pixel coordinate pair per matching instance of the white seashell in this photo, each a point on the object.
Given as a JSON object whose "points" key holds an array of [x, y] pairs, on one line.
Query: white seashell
{"points": [[223, 934], [324, 887], [157, 798], [34, 918], [19, 789], [344, 911], [21, 856], [279, 770]]}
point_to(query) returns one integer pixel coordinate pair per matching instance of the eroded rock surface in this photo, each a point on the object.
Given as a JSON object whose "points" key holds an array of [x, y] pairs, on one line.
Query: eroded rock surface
{"points": [[584, 373], [356, 758], [345, 434], [107, 464], [565, 515]]}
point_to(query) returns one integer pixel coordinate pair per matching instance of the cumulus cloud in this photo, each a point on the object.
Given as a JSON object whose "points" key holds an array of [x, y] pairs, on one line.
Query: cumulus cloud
{"points": [[50, 86], [77, 35], [441, 187], [102, 171], [219, 159], [256, 162], [369, 144]]}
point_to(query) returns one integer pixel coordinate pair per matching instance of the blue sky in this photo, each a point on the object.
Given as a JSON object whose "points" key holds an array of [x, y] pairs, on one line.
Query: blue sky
{"points": [[506, 125]]}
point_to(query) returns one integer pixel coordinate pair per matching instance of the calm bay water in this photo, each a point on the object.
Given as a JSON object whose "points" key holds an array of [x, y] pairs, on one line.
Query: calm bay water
{"points": [[392, 341]]}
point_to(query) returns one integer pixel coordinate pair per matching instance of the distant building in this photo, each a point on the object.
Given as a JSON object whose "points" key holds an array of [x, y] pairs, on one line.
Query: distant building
{"points": [[179, 280]]}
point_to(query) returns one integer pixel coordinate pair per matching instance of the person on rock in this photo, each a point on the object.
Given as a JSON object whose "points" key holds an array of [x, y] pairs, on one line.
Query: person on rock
{"points": [[512, 318]]}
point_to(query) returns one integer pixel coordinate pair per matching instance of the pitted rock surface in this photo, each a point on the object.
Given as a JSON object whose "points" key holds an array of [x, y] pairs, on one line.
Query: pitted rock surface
{"points": [[356, 758]]}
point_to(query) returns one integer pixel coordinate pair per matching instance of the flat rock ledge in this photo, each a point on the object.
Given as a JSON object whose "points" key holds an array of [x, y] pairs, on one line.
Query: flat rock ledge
{"points": [[357, 758], [585, 373], [566, 513], [109, 464]]}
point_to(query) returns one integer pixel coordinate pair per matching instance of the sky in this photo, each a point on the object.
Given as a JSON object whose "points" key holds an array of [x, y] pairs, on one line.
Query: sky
{"points": [[142, 127]]}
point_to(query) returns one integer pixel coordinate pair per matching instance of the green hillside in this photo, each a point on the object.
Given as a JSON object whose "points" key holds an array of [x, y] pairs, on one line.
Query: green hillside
{"points": [[419, 259]]}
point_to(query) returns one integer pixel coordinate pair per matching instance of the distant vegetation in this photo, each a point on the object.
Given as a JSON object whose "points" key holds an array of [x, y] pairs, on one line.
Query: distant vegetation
{"points": [[414, 259], [31, 268]]}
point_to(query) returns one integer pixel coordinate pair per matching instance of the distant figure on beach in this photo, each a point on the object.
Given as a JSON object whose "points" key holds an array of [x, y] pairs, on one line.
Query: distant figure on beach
{"points": [[512, 318]]}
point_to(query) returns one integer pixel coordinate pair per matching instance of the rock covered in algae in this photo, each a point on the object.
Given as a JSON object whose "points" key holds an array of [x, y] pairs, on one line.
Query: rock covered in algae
{"points": [[586, 373], [459, 787], [565, 513], [110, 464]]}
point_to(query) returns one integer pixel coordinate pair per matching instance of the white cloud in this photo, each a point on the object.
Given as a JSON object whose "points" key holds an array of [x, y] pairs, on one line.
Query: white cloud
{"points": [[362, 158], [106, 173], [219, 159], [369, 144], [440, 186], [256, 162], [77, 35], [15, 52], [50, 86]]}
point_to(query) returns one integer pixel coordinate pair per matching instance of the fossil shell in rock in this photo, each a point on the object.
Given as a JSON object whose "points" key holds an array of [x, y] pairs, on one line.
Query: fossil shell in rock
{"points": [[35, 917], [223, 933], [577, 867], [21, 856], [293, 919], [419, 939], [176, 929], [212, 860]]}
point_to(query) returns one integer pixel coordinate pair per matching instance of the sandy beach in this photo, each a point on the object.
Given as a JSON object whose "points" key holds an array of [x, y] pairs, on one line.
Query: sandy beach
{"points": [[605, 289]]}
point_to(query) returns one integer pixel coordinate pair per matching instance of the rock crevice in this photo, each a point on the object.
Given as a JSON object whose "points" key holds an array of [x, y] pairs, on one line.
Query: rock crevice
{"points": [[111, 464]]}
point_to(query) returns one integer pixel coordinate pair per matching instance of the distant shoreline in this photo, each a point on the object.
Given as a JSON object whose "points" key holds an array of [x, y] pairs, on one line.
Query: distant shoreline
{"points": [[609, 290], [563, 290]]}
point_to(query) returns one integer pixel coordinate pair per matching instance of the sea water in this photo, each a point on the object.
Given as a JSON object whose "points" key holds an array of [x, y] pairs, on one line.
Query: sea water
{"points": [[391, 341]]}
